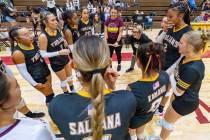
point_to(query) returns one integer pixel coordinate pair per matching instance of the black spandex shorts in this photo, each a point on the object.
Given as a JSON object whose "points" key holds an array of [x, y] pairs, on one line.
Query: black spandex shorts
{"points": [[184, 106], [140, 120], [57, 68]]}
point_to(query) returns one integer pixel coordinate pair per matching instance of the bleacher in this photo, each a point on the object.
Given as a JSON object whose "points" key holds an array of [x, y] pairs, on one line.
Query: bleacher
{"points": [[147, 6]]}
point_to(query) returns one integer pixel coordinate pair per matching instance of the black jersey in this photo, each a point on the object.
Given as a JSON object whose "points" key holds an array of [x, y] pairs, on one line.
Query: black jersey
{"points": [[2, 68], [171, 42], [85, 29], [70, 113], [74, 31], [189, 77], [35, 64], [143, 39], [56, 43], [148, 95]]}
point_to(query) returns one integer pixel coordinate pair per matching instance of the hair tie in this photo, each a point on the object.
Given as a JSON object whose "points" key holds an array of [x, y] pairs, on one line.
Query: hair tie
{"points": [[96, 71]]}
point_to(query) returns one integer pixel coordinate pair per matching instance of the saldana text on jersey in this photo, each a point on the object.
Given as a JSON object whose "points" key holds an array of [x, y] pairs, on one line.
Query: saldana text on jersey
{"points": [[84, 127]]}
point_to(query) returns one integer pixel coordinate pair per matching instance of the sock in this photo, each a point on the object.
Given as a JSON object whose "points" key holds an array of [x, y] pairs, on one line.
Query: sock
{"points": [[141, 136], [29, 114], [49, 98], [34, 115], [133, 61], [160, 108], [71, 87], [133, 137], [66, 92]]}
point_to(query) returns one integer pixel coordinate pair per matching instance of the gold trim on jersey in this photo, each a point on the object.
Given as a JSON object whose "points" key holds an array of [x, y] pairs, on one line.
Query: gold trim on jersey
{"points": [[50, 33], [194, 59], [174, 30], [87, 95], [182, 84], [85, 22], [150, 79], [23, 47]]}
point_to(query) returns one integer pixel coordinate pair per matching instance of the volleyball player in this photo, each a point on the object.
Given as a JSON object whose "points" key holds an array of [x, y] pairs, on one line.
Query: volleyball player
{"points": [[150, 89], [21, 107], [186, 81], [94, 113], [52, 45], [113, 34], [31, 65], [85, 25], [70, 28], [22, 128], [138, 38], [176, 28]]}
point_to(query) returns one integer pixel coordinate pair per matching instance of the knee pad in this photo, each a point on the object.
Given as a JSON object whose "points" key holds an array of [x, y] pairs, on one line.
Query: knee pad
{"points": [[134, 137], [21, 104], [63, 84], [166, 125]]}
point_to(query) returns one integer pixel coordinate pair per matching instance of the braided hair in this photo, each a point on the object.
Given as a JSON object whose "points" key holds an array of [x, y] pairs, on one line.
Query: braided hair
{"points": [[13, 34], [91, 56]]}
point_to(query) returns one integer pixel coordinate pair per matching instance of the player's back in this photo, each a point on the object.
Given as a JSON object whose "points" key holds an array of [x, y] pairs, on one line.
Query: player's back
{"points": [[72, 115], [148, 95]]}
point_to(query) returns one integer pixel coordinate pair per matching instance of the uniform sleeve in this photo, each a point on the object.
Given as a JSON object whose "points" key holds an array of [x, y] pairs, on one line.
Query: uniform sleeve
{"points": [[147, 39], [187, 77]]}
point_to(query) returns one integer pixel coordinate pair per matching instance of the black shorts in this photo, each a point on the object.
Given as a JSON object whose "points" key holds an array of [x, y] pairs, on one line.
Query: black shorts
{"points": [[57, 68], [42, 80], [184, 106], [39, 72], [140, 120]]}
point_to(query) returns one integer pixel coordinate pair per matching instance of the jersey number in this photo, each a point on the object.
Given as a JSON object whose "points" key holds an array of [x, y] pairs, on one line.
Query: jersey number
{"points": [[165, 47], [155, 105], [105, 137]]}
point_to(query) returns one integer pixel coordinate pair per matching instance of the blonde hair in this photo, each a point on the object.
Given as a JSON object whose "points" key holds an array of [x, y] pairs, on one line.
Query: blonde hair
{"points": [[198, 39], [91, 57]]}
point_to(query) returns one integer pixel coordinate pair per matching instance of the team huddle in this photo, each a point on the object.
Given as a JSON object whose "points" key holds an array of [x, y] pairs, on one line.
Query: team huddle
{"points": [[172, 71]]}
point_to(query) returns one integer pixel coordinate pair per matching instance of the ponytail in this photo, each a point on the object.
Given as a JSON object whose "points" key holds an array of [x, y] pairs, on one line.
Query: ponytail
{"points": [[97, 96], [13, 34], [91, 57], [151, 57], [198, 39]]}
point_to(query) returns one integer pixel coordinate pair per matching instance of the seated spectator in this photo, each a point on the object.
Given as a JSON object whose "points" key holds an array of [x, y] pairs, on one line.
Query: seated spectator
{"points": [[19, 129], [205, 5], [200, 18], [9, 4], [7, 15], [138, 18]]}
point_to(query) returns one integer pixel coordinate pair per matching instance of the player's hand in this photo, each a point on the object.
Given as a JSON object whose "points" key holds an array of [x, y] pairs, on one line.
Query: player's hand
{"points": [[110, 78], [40, 86], [169, 24], [115, 44], [64, 52]]}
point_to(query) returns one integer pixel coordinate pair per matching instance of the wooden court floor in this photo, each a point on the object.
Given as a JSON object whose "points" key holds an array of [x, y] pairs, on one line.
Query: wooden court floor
{"points": [[195, 126]]}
